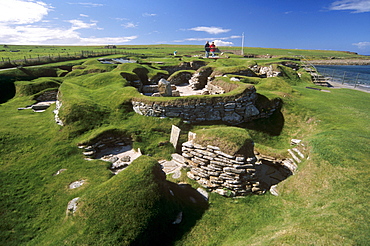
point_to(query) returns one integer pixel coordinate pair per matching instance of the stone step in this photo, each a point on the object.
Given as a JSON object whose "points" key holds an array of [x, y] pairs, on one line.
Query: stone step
{"points": [[294, 156], [289, 163], [298, 152], [179, 159]]}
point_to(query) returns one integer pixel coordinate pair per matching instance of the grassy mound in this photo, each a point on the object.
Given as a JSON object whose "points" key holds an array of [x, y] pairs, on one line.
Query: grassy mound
{"points": [[27, 88], [144, 73], [231, 140], [84, 69], [89, 100], [134, 207]]}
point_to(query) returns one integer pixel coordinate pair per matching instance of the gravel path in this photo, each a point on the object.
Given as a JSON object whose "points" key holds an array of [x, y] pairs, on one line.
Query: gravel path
{"points": [[336, 85]]}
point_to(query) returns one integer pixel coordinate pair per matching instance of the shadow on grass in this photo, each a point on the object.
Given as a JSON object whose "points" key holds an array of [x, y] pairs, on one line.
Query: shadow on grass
{"points": [[7, 89], [191, 206], [272, 125]]}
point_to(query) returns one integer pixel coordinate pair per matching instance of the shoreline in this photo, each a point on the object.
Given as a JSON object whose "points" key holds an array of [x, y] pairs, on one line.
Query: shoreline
{"points": [[354, 62], [336, 85]]}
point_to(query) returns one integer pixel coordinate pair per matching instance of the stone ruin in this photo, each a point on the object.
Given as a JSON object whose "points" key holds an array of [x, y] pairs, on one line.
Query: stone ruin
{"points": [[112, 148], [233, 110], [43, 101], [196, 83], [234, 174]]}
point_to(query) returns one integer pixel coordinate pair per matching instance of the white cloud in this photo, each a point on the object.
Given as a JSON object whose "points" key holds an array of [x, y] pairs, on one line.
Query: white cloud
{"points": [[88, 4], [106, 40], [36, 35], [357, 6], [78, 24], [129, 25], [149, 15], [208, 39], [236, 37], [210, 30], [362, 45], [22, 22], [222, 43], [22, 11]]}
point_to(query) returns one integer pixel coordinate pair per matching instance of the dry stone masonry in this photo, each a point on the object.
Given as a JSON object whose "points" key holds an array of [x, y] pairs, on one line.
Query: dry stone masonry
{"points": [[114, 149], [232, 110], [220, 172], [234, 175]]}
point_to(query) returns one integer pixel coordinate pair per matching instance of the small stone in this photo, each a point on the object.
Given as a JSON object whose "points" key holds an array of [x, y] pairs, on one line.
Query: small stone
{"points": [[203, 193], [59, 172], [274, 191], [178, 219], [295, 141], [76, 184], [72, 205], [126, 158], [89, 153], [213, 147]]}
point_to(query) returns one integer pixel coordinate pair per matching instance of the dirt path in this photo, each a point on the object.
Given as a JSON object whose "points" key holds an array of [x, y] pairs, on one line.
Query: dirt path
{"points": [[336, 85]]}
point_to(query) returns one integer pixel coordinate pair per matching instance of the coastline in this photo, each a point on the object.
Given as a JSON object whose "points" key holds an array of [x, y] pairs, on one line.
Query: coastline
{"points": [[341, 62], [336, 85]]}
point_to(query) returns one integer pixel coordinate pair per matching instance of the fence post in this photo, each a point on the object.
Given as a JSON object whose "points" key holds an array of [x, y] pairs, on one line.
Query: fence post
{"points": [[356, 80], [344, 75]]}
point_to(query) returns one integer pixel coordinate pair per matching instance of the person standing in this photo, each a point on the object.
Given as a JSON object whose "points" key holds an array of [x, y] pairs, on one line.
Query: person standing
{"points": [[213, 48], [207, 49]]}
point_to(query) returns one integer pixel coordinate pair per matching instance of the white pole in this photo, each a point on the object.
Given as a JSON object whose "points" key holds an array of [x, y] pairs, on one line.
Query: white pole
{"points": [[243, 44]]}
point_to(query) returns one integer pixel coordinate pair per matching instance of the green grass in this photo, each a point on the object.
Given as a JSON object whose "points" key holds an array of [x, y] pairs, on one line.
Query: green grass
{"points": [[233, 139], [140, 198], [324, 203], [32, 51]]}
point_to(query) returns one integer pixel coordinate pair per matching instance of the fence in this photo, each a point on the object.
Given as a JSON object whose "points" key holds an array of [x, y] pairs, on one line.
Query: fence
{"points": [[29, 61], [345, 77]]}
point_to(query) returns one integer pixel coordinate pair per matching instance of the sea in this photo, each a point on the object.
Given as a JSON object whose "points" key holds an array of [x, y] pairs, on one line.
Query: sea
{"points": [[354, 75]]}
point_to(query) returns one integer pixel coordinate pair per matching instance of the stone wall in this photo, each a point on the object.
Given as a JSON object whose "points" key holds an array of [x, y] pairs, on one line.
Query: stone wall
{"points": [[220, 172], [47, 96], [94, 149], [230, 109], [234, 175]]}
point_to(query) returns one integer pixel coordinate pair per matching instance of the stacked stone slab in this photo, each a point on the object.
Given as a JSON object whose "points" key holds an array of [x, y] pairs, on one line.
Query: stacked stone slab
{"points": [[232, 110], [92, 150], [220, 172], [47, 96]]}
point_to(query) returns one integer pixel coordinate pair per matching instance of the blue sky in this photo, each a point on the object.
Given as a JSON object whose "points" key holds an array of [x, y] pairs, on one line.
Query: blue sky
{"points": [[302, 24]]}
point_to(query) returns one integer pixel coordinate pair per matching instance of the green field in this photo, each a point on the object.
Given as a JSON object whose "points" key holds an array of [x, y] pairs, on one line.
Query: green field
{"points": [[325, 203], [21, 52]]}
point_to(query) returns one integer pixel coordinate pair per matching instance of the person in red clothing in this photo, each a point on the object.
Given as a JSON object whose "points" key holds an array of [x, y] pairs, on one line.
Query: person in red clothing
{"points": [[213, 48]]}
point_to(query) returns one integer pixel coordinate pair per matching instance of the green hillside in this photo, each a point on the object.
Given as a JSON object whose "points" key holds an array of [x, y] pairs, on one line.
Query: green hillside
{"points": [[324, 203]]}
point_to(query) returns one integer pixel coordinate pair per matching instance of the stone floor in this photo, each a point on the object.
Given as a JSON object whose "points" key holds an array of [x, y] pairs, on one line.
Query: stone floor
{"points": [[186, 90]]}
